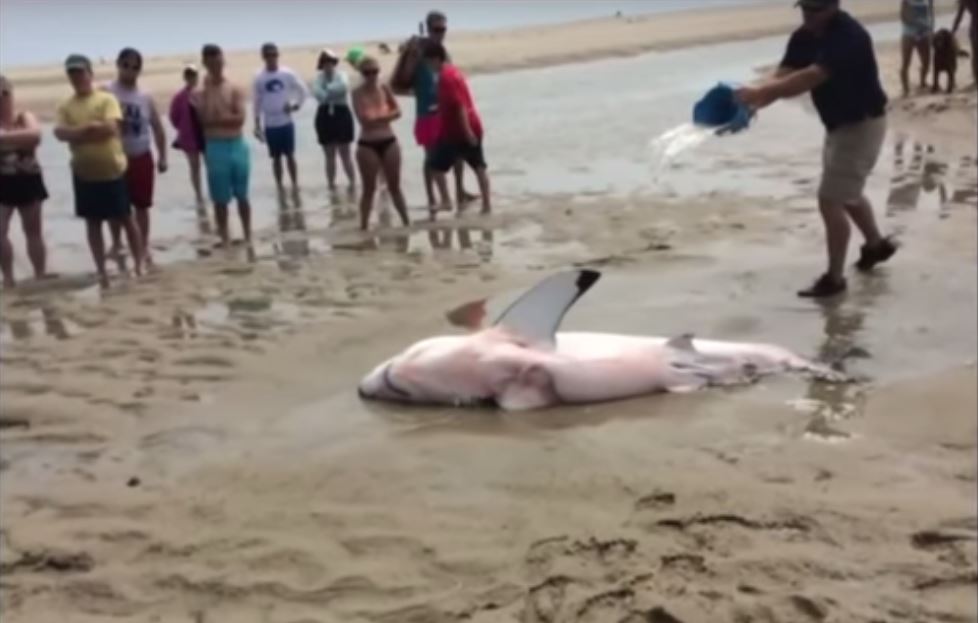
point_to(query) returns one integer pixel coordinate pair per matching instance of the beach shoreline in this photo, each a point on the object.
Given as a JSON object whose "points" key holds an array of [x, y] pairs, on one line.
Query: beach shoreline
{"points": [[42, 88]]}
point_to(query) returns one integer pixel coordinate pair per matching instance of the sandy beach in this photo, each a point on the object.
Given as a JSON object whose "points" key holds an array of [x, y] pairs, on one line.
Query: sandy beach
{"points": [[189, 447]]}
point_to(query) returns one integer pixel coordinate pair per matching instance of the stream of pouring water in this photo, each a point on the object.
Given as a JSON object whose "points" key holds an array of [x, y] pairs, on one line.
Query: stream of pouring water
{"points": [[670, 144]]}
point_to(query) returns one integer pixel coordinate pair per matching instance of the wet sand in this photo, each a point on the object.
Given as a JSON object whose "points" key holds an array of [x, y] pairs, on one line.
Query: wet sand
{"points": [[190, 447]]}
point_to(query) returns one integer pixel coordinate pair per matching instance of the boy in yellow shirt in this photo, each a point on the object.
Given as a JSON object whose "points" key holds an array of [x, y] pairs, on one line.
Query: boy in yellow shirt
{"points": [[89, 122]]}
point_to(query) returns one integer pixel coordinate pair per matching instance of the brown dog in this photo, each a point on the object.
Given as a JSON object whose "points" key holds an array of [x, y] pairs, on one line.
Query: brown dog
{"points": [[946, 52]]}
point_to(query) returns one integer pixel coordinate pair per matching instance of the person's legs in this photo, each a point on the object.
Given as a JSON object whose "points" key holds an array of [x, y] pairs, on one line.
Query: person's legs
{"points": [[293, 170], [347, 159], [218, 160], [240, 181], [439, 161], [30, 220], [221, 220], [461, 195], [837, 232], [288, 148], [923, 46], [392, 173], [142, 223], [861, 213], [277, 171], [475, 158], [115, 250], [139, 182], [330, 150], [369, 164], [135, 241], [906, 50], [96, 245], [973, 35], [6, 248], [429, 179], [193, 160]]}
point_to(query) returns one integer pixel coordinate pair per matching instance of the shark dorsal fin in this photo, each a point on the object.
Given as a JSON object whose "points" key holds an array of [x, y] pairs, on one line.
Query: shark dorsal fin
{"points": [[536, 315], [682, 342]]}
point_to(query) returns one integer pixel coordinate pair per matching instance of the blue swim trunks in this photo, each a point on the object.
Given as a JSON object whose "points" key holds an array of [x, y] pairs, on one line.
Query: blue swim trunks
{"points": [[281, 140], [228, 168]]}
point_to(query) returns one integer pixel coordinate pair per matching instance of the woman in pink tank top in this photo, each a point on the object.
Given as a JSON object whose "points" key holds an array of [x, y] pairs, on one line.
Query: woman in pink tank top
{"points": [[190, 135]]}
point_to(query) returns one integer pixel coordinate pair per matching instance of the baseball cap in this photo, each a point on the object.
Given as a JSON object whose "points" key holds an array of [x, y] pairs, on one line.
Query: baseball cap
{"points": [[816, 4], [77, 61], [329, 53]]}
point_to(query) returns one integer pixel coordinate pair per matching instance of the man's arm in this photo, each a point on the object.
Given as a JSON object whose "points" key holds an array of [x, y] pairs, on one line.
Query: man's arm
{"points": [[301, 91], [791, 85], [159, 135], [256, 92], [406, 66], [958, 17], [393, 108], [27, 137]]}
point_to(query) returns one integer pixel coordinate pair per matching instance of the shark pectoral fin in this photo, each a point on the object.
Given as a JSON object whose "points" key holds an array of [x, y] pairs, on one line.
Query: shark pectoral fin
{"points": [[469, 316], [532, 388], [536, 315]]}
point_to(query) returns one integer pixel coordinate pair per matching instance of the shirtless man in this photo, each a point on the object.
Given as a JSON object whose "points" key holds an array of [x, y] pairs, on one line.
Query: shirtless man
{"points": [[220, 105], [971, 6]]}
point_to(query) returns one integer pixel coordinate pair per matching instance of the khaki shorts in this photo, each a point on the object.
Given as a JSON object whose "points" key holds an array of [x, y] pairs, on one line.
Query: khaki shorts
{"points": [[848, 157]]}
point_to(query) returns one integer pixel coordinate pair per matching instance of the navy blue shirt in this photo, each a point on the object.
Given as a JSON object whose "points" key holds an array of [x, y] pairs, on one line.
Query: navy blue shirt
{"points": [[852, 92]]}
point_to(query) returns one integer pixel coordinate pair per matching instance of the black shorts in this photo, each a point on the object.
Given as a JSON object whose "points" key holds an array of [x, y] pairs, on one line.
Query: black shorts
{"points": [[334, 128], [445, 154], [22, 189], [102, 200]]}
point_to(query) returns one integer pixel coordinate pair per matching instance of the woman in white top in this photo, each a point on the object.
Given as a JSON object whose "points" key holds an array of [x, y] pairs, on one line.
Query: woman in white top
{"points": [[334, 121]]}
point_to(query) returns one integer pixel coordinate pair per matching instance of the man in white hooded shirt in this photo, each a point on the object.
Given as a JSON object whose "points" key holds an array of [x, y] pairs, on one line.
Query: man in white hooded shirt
{"points": [[278, 93]]}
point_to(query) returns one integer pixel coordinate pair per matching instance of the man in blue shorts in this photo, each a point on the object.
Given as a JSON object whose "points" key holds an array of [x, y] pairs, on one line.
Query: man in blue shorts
{"points": [[278, 93], [220, 105]]}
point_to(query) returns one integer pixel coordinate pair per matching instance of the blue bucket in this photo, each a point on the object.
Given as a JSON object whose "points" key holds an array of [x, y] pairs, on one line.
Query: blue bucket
{"points": [[720, 109]]}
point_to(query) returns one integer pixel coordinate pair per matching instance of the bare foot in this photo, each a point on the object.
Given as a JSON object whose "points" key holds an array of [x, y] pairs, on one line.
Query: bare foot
{"points": [[103, 281]]}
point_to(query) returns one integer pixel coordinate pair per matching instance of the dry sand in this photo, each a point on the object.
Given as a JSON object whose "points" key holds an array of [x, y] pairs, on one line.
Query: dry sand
{"points": [[189, 448], [41, 88]]}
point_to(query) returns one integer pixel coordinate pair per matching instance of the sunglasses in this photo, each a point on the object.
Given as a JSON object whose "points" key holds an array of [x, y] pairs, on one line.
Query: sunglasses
{"points": [[130, 66], [439, 30]]}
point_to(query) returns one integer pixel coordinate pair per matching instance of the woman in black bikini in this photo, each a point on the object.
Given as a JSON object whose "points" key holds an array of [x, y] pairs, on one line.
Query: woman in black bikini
{"points": [[375, 107], [21, 183]]}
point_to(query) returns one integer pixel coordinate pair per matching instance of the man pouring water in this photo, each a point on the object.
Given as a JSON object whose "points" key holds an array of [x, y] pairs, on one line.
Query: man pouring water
{"points": [[831, 55]]}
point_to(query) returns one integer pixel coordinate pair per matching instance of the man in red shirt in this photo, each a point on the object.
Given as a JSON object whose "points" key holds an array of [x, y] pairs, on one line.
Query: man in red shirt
{"points": [[460, 128]]}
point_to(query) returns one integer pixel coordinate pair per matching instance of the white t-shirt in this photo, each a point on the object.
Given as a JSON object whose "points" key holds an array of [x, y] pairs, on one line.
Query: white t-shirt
{"points": [[136, 110], [273, 90]]}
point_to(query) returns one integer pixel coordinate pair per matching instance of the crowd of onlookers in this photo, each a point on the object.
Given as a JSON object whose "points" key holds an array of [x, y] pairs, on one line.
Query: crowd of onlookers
{"points": [[113, 129]]}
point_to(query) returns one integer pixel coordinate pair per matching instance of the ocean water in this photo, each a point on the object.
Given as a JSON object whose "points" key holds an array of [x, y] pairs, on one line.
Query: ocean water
{"points": [[43, 31]]}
